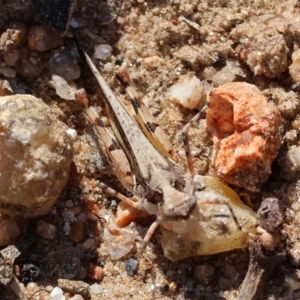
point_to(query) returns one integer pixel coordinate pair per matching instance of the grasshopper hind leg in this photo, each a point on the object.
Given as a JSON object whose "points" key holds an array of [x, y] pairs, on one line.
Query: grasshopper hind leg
{"points": [[120, 196]]}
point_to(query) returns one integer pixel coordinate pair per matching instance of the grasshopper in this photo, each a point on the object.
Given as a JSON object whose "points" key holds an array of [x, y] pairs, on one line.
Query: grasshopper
{"points": [[160, 186]]}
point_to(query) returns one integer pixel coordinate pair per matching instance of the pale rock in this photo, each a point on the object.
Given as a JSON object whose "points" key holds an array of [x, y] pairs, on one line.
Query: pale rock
{"points": [[96, 288], [189, 92], [294, 68], [77, 297], [102, 51], [153, 62], [57, 294], [63, 89], [36, 153], [46, 230], [8, 72], [119, 241]]}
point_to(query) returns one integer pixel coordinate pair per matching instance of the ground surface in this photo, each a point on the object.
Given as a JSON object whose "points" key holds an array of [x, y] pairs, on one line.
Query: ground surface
{"points": [[157, 46]]}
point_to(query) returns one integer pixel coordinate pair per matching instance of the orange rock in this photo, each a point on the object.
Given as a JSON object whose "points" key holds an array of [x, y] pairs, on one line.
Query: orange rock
{"points": [[95, 272], [245, 134], [127, 214]]}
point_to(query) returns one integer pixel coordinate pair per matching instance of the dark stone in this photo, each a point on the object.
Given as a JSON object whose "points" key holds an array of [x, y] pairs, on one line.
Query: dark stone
{"points": [[131, 266]]}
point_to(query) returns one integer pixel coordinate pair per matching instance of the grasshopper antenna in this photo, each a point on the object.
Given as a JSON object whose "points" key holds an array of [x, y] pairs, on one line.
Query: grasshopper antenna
{"points": [[186, 141], [185, 135]]}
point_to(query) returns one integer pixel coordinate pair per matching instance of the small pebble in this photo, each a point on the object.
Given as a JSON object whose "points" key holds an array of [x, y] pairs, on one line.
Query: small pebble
{"points": [[76, 233], [5, 88], [204, 273], [8, 72], [89, 243], [295, 254], [74, 23], [66, 263], [228, 73], [30, 68], [63, 89], [65, 63], [43, 38], [245, 130], [68, 215], [173, 287], [96, 288], [293, 282], [76, 297], [131, 266], [189, 92], [69, 204], [46, 230], [81, 217], [294, 68], [153, 62], [57, 294], [67, 228], [80, 250], [32, 287], [268, 240], [12, 37], [11, 58], [75, 287], [102, 51], [270, 214], [95, 272], [119, 241]]}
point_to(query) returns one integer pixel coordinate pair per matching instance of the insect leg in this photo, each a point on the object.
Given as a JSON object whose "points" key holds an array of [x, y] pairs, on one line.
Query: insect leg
{"points": [[148, 236], [186, 142], [120, 196]]}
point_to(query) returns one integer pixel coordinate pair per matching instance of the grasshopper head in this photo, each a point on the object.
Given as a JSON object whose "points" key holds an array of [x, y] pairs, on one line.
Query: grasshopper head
{"points": [[178, 205], [179, 212], [175, 204]]}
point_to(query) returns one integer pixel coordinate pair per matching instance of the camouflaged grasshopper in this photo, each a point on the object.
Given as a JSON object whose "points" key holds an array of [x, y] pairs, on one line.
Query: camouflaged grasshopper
{"points": [[160, 186]]}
